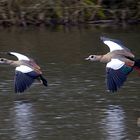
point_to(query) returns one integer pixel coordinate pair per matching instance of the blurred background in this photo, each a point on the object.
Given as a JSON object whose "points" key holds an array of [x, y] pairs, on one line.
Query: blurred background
{"points": [[68, 12]]}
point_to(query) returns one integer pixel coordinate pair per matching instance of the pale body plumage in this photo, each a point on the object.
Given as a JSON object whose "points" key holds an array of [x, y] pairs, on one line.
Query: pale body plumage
{"points": [[120, 62]]}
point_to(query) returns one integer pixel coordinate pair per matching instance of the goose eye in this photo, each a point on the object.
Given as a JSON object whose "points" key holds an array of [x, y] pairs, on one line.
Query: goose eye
{"points": [[92, 56], [1, 59]]}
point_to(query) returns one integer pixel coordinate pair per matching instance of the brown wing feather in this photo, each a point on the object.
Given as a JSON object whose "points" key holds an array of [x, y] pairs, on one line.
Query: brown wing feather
{"points": [[32, 64]]}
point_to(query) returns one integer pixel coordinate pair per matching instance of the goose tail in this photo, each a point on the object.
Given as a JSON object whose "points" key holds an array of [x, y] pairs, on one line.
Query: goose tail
{"points": [[44, 81]]}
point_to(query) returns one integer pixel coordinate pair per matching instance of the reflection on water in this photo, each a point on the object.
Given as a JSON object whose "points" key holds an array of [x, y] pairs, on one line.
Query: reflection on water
{"points": [[114, 123], [23, 120], [75, 105]]}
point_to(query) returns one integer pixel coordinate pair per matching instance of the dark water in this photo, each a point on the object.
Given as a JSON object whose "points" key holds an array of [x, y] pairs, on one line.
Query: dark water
{"points": [[76, 105]]}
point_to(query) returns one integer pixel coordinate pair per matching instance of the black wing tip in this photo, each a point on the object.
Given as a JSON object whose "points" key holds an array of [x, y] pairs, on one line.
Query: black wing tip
{"points": [[44, 81], [118, 41], [19, 88], [9, 53], [19, 91]]}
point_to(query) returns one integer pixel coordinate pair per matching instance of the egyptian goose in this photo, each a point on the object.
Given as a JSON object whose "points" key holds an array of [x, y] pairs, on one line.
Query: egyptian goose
{"points": [[26, 71], [120, 62]]}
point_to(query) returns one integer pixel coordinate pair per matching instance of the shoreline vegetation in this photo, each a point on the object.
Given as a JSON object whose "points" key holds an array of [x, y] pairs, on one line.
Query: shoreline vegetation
{"points": [[69, 12]]}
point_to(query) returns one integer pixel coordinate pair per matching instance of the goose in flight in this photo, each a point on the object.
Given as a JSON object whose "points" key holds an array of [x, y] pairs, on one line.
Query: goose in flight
{"points": [[120, 62], [26, 71]]}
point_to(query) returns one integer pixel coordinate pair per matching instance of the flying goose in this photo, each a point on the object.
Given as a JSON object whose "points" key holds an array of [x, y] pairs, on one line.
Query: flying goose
{"points": [[120, 62], [26, 71]]}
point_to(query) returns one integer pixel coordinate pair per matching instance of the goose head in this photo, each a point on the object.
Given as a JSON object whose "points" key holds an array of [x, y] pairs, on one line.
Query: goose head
{"points": [[3, 61], [93, 58]]}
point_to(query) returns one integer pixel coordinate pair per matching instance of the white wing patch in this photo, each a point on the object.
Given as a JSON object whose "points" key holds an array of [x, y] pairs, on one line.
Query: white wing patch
{"points": [[20, 56], [24, 69], [113, 46], [115, 64]]}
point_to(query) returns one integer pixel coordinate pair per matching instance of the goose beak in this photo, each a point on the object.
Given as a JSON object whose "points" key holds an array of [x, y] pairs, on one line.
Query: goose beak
{"points": [[87, 58]]}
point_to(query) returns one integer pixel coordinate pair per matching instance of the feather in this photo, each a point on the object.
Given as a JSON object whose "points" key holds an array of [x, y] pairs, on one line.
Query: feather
{"points": [[110, 83], [24, 69], [24, 80], [116, 78], [115, 64], [113, 44], [19, 56]]}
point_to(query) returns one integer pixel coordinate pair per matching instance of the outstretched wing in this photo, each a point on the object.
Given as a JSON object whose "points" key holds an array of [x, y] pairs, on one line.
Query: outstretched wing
{"points": [[22, 82], [116, 74], [24, 77], [19, 56], [116, 70], [113, 44]]}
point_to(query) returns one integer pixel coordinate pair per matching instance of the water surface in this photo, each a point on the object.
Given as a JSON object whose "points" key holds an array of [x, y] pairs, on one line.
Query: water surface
{"points": [[75, 105]]}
